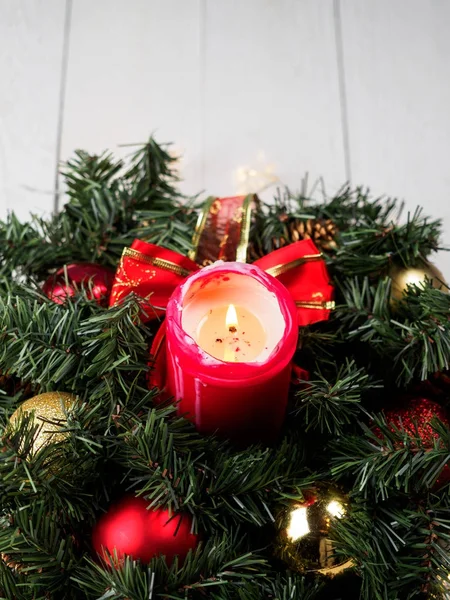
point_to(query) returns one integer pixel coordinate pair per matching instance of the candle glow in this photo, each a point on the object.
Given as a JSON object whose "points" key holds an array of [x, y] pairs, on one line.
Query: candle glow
{"points": [[231, 323], [231, 334], [231, 319]]}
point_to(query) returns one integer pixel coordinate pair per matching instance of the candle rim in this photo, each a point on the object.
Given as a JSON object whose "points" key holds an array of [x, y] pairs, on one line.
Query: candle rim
{"points": [[213, 368]]}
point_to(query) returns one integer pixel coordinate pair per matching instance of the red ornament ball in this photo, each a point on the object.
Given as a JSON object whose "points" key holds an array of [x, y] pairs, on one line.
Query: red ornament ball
{"points": [[70, 278], [130, 529], [416, 420]]}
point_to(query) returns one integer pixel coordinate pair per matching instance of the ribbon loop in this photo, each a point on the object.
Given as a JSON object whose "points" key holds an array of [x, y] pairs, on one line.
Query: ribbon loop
{"points": [[152, 272], [302, 269], [222, 230]]}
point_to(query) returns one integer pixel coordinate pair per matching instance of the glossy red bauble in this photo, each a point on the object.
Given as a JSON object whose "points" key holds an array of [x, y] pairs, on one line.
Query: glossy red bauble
{"points": [[132, 530], [70, 278]]}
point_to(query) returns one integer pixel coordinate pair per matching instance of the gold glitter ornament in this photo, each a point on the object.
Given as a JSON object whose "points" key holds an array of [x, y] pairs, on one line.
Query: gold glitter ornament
{"points": [[404, 276], [49, 415], [302, 540]]}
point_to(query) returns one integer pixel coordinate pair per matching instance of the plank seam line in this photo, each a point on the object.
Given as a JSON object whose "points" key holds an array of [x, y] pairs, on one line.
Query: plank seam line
{"points": [[202, 83], [342, 88], [62, 98]]}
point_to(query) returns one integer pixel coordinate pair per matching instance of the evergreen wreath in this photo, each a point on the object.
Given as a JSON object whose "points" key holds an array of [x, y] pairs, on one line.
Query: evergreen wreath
{"points": [[371, 354]]}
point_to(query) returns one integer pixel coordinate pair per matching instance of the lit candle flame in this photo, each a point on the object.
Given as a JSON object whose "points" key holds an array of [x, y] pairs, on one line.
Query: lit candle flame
{"points": [[231, 323], [231, 320]]}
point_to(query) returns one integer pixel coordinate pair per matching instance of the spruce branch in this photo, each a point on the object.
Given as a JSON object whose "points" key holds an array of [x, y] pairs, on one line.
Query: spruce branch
{"points": [[351, 210], [386, 458], [85, 172], [110, 204], [373, 250], [354, 209], [280, 587], [10, 579], [62, 473], [220, 562], [170, 464], [373, 543], [43, 553], [370, 236], [399, 551], [151, 172], [54, 346], [416, 340], [331, 402]]}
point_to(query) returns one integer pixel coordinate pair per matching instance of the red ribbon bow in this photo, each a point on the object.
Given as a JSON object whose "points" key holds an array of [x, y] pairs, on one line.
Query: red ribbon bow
{"points": [[152, 272]]}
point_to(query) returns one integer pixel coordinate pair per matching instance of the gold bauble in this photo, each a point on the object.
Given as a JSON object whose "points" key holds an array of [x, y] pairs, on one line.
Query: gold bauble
{"points": [[303, 528], [404, 276], [49, 415]]}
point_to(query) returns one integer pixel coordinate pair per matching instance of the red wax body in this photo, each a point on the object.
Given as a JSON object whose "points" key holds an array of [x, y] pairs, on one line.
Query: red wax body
{"points": [[242, 401]]}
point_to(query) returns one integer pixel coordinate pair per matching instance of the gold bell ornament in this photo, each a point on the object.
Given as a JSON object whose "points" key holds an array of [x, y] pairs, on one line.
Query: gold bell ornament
{"points": [[302, 540], [404, 276], [49, 414]]}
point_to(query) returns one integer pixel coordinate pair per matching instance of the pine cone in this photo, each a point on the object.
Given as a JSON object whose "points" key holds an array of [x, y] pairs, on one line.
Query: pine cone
{"points": [[322, 231]]}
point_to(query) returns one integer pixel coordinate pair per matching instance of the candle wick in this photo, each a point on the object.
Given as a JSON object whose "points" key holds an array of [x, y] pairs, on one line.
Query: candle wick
{"points": [[232, 329]]}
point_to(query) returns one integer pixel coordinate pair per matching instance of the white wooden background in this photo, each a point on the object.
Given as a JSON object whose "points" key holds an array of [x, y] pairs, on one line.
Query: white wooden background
{"points": [[343, 89]]}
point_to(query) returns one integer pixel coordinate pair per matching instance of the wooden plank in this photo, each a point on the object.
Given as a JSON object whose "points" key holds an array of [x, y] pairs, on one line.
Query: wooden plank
{"points": [[32, 34], [271, 94], [134, 69], [396, 57]]}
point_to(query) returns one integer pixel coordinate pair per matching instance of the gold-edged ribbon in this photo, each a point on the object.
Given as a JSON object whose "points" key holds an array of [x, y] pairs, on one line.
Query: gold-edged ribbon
{"points": [[223, 229], [222, 233], [200, 226], [241, 251], [278, 270], [160, 263], [325, 305]]}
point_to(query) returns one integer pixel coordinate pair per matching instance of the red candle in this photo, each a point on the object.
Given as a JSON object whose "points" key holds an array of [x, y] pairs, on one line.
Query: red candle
{"points": [[231, 332]]}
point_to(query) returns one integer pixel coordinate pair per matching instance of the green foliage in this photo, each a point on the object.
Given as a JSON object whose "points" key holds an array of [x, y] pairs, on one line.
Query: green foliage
{"points": [[414, 336], [332, 401], [206, 477], [387, 459], [370, 236], [43, 553], [117, 439], [219, 563], [401, 550], [110, 204]]}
